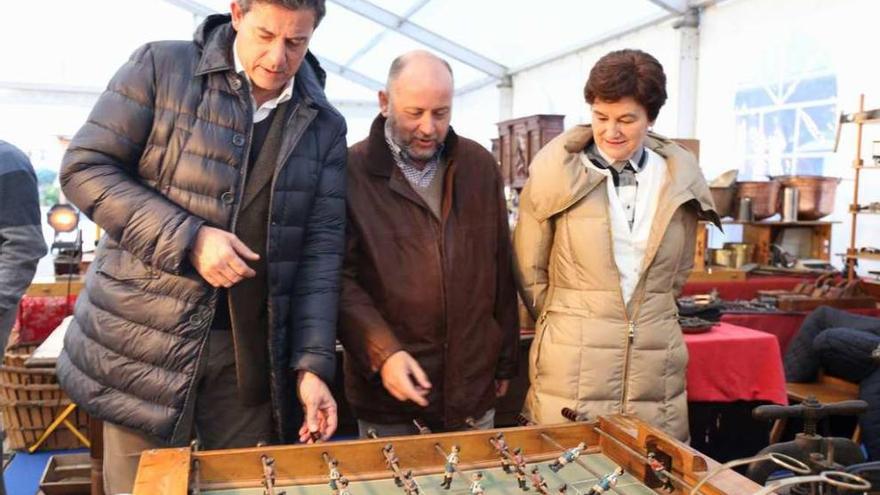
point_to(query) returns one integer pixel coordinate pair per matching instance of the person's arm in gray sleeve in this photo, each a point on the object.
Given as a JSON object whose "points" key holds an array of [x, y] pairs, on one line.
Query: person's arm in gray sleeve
{"points": [[21, 236]]}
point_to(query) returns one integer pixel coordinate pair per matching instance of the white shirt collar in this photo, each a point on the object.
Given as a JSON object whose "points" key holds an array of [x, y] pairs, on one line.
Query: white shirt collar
{"points": [[269, 105], [633, 160]]}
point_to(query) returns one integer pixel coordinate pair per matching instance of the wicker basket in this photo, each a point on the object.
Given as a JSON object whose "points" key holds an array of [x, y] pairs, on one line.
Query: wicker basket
{"points": [[30, 399]]}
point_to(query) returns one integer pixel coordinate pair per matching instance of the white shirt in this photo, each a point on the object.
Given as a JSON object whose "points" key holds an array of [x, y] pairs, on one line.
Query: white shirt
{"points": [[267, 106], [629, 245]]}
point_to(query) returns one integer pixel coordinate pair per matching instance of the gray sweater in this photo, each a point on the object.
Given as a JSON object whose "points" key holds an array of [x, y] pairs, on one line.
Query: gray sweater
{"points": [[21, 236]]}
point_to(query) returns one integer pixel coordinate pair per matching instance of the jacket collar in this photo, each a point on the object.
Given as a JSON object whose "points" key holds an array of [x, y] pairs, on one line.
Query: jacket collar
{"points": [[379, 158], [558, 178], [215, 37]]}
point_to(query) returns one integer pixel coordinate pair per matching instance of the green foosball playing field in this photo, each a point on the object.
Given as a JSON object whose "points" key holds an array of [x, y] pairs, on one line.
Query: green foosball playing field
{"points": [[495, 482]]}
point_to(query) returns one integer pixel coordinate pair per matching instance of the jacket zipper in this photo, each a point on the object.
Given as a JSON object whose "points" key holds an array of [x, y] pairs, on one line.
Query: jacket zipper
{"points": [[269, 312], [630, 336]]}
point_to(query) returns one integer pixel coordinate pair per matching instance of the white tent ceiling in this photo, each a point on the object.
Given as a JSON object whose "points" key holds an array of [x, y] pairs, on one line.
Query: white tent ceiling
{"points": [[485, 41]]}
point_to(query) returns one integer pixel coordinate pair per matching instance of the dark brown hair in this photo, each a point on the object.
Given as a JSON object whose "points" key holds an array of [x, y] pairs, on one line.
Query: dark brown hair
{"points": [[631, 73], [317, 6]]}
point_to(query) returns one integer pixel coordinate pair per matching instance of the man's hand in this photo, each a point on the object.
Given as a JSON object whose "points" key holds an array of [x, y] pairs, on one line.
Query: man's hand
{"points": [[319, 406], [217, 255], [404, 379], [501, 386]]}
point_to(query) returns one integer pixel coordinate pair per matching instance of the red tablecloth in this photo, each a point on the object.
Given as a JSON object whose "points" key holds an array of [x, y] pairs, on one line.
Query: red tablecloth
{"points": [[741, 289], [731, 363], [783, 326], [38, 316]]}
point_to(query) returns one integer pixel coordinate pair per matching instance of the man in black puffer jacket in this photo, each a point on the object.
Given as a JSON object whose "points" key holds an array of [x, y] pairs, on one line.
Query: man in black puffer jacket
{"points": [[216, 169]]}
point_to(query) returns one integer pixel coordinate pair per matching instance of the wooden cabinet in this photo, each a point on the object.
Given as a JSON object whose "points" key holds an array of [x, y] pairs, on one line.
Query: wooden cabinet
{"points": [[519, 141]]}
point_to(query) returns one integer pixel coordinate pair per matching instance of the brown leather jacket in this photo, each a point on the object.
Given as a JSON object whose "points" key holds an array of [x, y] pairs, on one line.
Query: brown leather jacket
{"points": [[441, 290]]}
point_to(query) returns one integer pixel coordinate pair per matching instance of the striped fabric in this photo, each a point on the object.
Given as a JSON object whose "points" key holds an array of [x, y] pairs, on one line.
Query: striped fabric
{"points": [[624, 175]]}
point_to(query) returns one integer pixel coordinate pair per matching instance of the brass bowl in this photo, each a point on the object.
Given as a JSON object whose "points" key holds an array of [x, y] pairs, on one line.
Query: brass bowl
{"points": [[815, 194], [764, 195]]}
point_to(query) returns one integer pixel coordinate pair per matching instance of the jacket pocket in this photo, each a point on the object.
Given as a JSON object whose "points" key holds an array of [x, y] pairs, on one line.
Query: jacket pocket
{"points": [[565, 325], [122, 265]]}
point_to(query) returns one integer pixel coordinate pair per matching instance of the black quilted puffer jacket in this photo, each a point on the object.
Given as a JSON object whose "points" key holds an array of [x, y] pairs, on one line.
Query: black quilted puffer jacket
{"points": [[162, 154]]}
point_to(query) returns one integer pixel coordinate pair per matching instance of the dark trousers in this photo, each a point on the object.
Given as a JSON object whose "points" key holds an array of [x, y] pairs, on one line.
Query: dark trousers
{"points": [[802, 359], [218, 419], [842, 344]]}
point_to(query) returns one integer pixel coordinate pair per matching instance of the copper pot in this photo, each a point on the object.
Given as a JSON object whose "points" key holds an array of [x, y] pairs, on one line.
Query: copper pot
{"points": [[764, 194], [723, 198], [816, 194]]}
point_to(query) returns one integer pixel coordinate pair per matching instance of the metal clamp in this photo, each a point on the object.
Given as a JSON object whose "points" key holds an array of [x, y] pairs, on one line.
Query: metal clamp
{"points": [[782, 460]]}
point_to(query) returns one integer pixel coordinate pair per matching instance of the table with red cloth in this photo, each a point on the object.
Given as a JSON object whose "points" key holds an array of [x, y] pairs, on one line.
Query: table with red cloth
{"points": [[39, 315], [783, 325], [730, 290], [733, 363]]}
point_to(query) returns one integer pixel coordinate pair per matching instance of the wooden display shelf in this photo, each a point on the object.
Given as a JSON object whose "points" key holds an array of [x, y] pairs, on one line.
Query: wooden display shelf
{"points": [[864, 256], [762, 235], [717, 274], [55, 286], [861, 117]]}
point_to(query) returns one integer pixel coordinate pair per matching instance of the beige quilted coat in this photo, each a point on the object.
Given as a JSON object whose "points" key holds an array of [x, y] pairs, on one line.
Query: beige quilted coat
{"points": [[592, 353]]}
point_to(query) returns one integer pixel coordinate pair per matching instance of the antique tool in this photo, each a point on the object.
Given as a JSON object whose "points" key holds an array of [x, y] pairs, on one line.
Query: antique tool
{"points": [[781, 460], [838, 479], [818, 452]]}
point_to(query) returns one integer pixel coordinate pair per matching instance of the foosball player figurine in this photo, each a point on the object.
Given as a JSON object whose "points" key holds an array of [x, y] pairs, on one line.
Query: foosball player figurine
{"points": [[660, 471], [343, 486], [392, 461], [477, 484], [449, 468], [562, 490], [567, 457], [521, 478], [505, 464], [519, 466], [607, 481], [335, 475], [538, 482], [410, 487], [503, 450], [501, 443]]}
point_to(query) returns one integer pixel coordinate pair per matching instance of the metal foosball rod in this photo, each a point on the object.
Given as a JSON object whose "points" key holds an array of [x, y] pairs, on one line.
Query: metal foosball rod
{"points": [[422, 427], [269, 475], [195, 475]]}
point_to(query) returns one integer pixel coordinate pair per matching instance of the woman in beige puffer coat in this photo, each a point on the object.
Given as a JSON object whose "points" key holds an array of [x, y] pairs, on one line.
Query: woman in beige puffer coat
{"points": [[604, 243]]}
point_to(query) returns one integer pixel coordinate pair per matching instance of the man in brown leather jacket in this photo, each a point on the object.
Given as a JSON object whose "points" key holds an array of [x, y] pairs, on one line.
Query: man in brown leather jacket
{"points": [[428, 312]]}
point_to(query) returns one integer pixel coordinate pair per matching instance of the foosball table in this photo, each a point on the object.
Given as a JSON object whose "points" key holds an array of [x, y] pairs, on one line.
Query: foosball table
{"points": [[614, 454]]}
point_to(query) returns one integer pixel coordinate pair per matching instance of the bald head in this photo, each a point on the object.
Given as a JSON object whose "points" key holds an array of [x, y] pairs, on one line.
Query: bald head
{"points": [[417, 101], [419, 62]]}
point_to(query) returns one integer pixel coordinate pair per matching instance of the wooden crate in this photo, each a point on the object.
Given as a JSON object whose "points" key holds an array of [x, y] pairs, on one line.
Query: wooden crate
{"points": [[67, 474], [30, 399], [519, 141]]}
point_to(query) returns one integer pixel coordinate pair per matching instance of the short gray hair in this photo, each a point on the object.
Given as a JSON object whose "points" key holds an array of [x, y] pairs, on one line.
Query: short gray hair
{"points": [[317, 6], [400, 62]]}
